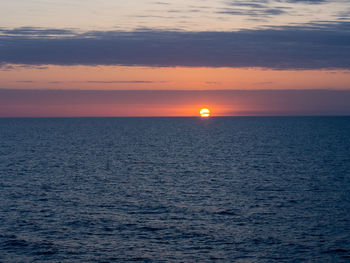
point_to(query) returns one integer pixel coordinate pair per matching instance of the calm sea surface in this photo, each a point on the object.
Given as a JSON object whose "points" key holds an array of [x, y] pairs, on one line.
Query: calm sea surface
{"points": [[175, 189]]}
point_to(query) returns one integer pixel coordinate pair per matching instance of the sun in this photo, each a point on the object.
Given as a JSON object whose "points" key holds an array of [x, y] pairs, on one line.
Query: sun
{"points": [[205, 113]]}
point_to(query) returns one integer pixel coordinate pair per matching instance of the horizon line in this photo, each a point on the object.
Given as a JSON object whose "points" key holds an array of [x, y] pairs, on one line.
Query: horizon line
{"points": [[199, 117]]}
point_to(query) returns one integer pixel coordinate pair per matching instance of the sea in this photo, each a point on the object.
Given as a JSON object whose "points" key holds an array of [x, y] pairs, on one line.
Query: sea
{"points": [[220, 189]]}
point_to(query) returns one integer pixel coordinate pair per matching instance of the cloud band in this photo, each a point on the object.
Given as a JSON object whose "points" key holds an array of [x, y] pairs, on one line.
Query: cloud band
{"points": [[311, 47]]}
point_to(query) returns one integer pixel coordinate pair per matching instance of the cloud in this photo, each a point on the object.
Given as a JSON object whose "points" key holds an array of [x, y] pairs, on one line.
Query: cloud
{"points": [[120, 81], [161, 3], [311, 46], [305, 1], [6, 67], [262, 10], [253, 9], [32, 31], [259, 12], [99, 81]]}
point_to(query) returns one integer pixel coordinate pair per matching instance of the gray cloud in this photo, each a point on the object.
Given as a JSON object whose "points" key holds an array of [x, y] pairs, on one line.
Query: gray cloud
{"points": [[161, 3], [32, 31], [253, 9], [263, 9], [312, 46], [305, 1], [259, 12]]}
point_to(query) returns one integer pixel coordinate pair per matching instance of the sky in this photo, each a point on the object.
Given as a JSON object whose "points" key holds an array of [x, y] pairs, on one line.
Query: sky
{"points": [[171, 58]]}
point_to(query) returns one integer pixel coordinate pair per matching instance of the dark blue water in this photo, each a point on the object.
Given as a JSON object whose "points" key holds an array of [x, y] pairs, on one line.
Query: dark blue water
{"points": [[175, 189]]}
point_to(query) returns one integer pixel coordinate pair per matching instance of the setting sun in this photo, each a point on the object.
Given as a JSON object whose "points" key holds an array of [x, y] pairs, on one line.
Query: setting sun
{"points": [[204, 112]]}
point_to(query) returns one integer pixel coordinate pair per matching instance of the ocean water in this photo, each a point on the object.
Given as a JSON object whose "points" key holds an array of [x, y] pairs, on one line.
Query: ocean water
{"points": [[243, 189]]}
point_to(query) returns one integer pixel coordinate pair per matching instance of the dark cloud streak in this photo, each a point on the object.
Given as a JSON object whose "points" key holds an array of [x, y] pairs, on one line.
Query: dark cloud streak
{"points": [[305, 1]]}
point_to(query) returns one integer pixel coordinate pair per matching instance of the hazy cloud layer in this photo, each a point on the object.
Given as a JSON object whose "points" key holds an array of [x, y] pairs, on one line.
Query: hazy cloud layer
{"points": [[313, 46], [189, 15], [115, 103]]}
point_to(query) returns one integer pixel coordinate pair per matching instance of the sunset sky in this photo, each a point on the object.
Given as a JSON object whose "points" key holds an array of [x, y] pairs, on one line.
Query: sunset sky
{"points": [[170, 58]]}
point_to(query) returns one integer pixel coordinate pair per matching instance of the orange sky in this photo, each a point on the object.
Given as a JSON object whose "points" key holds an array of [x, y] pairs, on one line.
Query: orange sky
{"points": [[173, 78], [247, 48]]}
